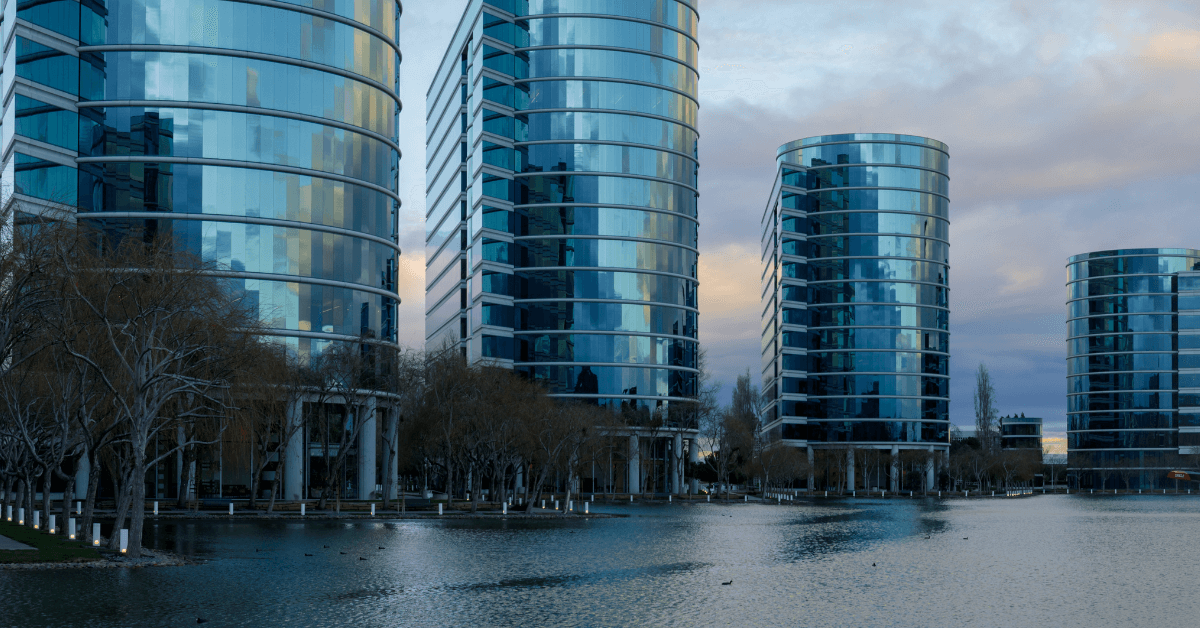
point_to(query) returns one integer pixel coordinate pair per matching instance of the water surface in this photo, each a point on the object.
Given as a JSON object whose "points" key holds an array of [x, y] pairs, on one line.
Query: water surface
{"points": [[1045, 561]]}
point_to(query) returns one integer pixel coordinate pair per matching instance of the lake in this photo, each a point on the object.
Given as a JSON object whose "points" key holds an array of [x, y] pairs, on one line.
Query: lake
{"points": [[1053, 560]]}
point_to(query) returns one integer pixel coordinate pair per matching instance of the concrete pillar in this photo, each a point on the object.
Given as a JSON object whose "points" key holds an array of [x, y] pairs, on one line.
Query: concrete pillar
{"points": [[366, 450], [930, 474], [635, 461], [812, 470], [895, 468], [81, 477], [850, 469], [694, 458], [293, 457], [394, 429], [677, 464]]}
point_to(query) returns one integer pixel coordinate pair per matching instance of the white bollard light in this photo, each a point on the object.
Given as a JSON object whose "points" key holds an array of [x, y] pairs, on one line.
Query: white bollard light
{"points": [[468, 497], [631, 498], [302, 509], [95, 534], [53, 528], [668, 499], [71, 528], [37, 519], [556, 504], [439, 510], [708, 498], [372, 510], [939, 493], [826, 493], [504, 508], [79, 508], [543, 504], [155, 509], [8, 513], [585, 507], [231, 508], [593, 500], [571, 505], [124, 540]]}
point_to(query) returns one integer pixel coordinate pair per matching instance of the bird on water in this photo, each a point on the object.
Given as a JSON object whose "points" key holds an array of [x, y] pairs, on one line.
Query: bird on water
{"points": [[727, 583]]}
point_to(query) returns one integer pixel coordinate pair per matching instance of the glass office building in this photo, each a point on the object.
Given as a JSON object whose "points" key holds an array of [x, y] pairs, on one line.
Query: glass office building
{"points": [[1133, 366], [855, 296], [561, 216], [259, 134]]}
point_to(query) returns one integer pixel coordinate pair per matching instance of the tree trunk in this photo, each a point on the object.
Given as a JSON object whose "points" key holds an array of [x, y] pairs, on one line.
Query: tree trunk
{"points": [[123, 495], [274, 492], [256, 484], [389, 458], [20, 501], [188, 458], [46, 473], [137, 484], [29, 499], [67, 498], [89, 502]]}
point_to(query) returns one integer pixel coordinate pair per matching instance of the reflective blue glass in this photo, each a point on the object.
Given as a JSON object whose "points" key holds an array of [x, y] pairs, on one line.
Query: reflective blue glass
{"points": [[46, 123], [48, 66], [611, 127], [669, 12], [584, 94], [607, 253], [252, 27], [606, 221], [624, 286], [592, 316], [609, 158], [601, 348], [44, 179], [870, 153], [877, 431], [614, 380], [594, 31]]}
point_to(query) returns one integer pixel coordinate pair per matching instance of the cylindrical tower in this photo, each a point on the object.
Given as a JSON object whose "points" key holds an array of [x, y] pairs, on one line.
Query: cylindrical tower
{"points": [[606, 202], [1122, 363], [261, 135], [856, 311]]}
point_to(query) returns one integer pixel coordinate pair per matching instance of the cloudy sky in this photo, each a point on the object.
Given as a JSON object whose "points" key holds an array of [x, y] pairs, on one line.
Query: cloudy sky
{"points": [[1072, 127]]}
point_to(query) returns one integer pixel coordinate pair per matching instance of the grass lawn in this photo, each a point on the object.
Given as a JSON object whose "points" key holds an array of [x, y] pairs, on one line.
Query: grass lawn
{"points": [[50, 549]]}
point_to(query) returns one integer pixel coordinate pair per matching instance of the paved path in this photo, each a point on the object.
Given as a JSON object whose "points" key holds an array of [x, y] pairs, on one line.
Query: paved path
{"points": [[9, 544]]}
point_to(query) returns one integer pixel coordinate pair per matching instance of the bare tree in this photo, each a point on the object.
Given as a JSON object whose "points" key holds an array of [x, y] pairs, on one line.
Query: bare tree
{"points": [[985, 409], [264, 394], [169, 332]]}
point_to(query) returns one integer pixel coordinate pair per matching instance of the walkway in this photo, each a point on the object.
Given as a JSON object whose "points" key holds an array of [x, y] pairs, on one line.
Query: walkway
{"points": [[9, 544]]}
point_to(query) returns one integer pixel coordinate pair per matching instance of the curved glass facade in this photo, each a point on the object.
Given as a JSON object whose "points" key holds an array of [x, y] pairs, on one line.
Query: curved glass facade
{"points": [[855, 336], [562, 218], [1131, 366], [261, 135]]}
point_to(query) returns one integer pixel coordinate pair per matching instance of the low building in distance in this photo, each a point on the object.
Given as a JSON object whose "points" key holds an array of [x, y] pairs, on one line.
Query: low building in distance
{"points": [[561, 210], [1021, 432], [1133, 366], [855, 299]]}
